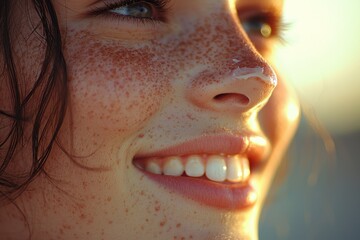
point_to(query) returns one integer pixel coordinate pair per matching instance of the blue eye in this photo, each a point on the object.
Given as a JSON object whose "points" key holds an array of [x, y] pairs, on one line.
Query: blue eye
{"points": [[142, 10], [137, 10]]}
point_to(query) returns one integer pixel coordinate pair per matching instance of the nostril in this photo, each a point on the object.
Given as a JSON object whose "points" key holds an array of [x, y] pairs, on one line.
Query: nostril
{"points": [[232, 98]]}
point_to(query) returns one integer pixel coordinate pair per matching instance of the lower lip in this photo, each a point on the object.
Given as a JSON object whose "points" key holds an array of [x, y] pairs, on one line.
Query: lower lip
{"points": [[230, 196]]}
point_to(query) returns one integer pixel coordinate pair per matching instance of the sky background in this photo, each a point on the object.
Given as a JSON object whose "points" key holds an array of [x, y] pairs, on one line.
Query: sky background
{"points": [[322, 59], [319, 196]]}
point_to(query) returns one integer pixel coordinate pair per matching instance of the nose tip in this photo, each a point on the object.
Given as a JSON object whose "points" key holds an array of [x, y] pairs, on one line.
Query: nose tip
{"points": [[248, 94], [243, 90], [256, 72]]}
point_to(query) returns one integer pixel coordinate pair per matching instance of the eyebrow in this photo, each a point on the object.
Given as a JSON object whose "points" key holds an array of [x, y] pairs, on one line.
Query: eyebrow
{"points": [[94, 2]]}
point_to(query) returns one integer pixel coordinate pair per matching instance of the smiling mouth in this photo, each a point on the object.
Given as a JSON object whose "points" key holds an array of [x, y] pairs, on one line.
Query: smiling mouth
{"points": [[196, 171], [217, 168]]}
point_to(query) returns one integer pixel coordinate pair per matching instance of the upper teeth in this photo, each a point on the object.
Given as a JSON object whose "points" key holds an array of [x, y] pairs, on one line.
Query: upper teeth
{"points": [[217, 168]]}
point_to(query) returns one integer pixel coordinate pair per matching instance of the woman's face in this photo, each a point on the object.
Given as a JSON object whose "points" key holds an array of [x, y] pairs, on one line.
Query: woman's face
{"points": [[160, 88]]}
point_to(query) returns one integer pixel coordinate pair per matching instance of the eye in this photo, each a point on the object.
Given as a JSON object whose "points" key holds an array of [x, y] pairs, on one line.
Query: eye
{"points": [[263, 24], [137, 10], [143, 10], [258, 26], [263, 28]]}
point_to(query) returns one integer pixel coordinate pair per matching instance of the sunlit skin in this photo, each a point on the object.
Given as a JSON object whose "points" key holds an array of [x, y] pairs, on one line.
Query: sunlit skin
{"points": [[136, 88]]}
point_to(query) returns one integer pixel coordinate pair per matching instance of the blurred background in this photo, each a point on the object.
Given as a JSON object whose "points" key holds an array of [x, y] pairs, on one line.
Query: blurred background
{"points": [[319, 195]]}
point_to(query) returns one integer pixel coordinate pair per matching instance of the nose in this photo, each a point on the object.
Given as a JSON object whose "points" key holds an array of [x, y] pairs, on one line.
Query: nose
{"points": [[235, 78], [242, 89]]}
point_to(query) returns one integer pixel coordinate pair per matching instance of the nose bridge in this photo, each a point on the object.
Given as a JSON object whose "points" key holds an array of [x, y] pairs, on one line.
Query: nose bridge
{"points": [[236, 78], [224, 39]]}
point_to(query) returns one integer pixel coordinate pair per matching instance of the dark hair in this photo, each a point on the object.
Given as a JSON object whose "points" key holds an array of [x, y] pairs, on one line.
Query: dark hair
{"points": [[47, 96]]}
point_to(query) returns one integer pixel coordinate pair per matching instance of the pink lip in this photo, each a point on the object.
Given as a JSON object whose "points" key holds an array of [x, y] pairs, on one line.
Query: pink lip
{"points": [[234, 196], [245, 145]]}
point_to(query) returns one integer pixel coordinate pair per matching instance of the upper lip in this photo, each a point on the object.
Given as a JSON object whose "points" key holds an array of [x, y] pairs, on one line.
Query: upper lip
{"points": [[253, 146]]}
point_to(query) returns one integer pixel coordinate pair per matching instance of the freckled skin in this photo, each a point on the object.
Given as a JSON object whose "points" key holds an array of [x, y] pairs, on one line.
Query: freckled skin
{"points": [[117, 91], [132, 97]]}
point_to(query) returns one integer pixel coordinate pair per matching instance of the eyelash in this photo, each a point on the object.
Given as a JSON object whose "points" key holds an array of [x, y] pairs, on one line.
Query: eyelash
{"points": [[161, 7], [276, 23]]}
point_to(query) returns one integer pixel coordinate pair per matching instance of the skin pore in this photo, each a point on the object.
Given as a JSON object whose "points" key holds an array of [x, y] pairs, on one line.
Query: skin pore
{"points": [[137, 87]]}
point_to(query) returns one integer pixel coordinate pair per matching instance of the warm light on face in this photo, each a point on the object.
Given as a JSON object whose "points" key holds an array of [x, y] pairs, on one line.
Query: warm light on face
{"points": [[258, 140], [292, 111]]}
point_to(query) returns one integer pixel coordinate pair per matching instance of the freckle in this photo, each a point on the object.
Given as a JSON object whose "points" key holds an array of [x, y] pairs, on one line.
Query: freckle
{"points": [[162, 223], [157, 206], [110, 222], [178, 225], [66, 226], [108, 199]]}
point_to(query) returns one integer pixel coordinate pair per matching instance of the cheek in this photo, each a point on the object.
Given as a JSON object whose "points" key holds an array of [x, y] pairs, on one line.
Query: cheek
{"points": [[280, 117], [114, 90]]}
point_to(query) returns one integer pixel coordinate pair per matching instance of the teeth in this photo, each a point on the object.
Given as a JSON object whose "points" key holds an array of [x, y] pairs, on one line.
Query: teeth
{"points": [[238, 169], [194, 166], [234, 171], [217, 168], [245, 168], [153, 167], [173, 167]]}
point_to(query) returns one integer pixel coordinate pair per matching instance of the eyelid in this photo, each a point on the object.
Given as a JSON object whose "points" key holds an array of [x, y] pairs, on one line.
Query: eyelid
{"points": [[160, 5], [270, 15]]}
